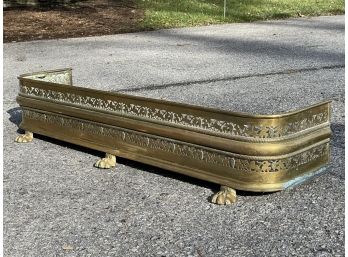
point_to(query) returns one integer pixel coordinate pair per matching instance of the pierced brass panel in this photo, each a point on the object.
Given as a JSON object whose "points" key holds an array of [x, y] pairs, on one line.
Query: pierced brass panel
{"points": [[247, 152]]}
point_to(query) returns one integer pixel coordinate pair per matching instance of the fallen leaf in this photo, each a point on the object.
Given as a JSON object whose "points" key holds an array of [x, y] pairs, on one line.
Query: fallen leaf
{"points": [[68, 247]]}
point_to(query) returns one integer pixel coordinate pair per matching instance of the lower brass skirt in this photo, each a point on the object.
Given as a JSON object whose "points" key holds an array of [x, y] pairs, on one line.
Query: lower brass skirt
{"points": [[244, 172]]}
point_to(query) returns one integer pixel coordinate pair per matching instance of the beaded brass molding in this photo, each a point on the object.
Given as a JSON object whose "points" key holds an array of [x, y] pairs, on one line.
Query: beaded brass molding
{"points": [[236, 150]]}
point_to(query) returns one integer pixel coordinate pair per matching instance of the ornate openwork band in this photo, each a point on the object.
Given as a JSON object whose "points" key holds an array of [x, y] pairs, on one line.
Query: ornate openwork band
{"points": [[233, 161], [221, 123]]}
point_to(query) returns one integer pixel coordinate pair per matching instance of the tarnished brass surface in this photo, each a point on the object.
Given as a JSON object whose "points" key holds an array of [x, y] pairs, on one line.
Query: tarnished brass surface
{"points": [[237, 150]]}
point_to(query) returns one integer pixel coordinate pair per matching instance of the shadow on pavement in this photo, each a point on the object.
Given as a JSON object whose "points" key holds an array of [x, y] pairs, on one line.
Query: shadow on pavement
{"points": [[337, 138], [339, 27]]}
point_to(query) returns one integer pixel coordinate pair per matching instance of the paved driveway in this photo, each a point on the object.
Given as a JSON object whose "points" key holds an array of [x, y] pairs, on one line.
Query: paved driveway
{"points": [[57, 204]]}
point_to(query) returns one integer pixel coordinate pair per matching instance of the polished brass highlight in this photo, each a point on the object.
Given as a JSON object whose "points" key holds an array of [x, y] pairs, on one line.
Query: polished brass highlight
{"points": [[261, 153], [225, 196], [25, 138], [109, 161]]}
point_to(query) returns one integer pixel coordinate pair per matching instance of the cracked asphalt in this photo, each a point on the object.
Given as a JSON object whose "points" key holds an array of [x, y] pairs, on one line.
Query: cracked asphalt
{"points": [[57, 204]]}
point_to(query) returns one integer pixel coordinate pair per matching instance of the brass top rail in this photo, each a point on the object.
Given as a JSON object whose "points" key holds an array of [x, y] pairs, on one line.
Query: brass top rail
{"points": [[234, 125]]}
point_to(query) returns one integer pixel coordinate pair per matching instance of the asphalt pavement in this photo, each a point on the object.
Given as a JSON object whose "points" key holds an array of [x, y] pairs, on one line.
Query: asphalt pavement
{"points": [[57, 204]]}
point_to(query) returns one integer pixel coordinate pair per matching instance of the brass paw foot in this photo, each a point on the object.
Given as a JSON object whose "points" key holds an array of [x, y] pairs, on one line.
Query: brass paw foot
{"points": [[226, 195], [26, 138], [106, 163]]}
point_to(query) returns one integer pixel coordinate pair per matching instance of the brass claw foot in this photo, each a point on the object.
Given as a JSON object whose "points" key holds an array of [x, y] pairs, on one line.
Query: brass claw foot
{"points": [[226, 195], [26, 138], [106, 163]]}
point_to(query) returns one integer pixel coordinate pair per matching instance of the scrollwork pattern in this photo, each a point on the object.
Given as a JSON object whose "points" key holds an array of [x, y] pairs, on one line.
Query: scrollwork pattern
{"points": [[183, 119], [182, 149]]}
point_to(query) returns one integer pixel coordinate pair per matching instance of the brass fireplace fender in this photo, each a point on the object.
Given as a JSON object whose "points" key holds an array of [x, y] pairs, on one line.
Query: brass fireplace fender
{"points": [[261, 153]]}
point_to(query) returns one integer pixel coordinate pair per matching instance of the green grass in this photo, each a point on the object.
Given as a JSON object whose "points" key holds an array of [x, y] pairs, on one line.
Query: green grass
{"points": [[183, 13]]}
